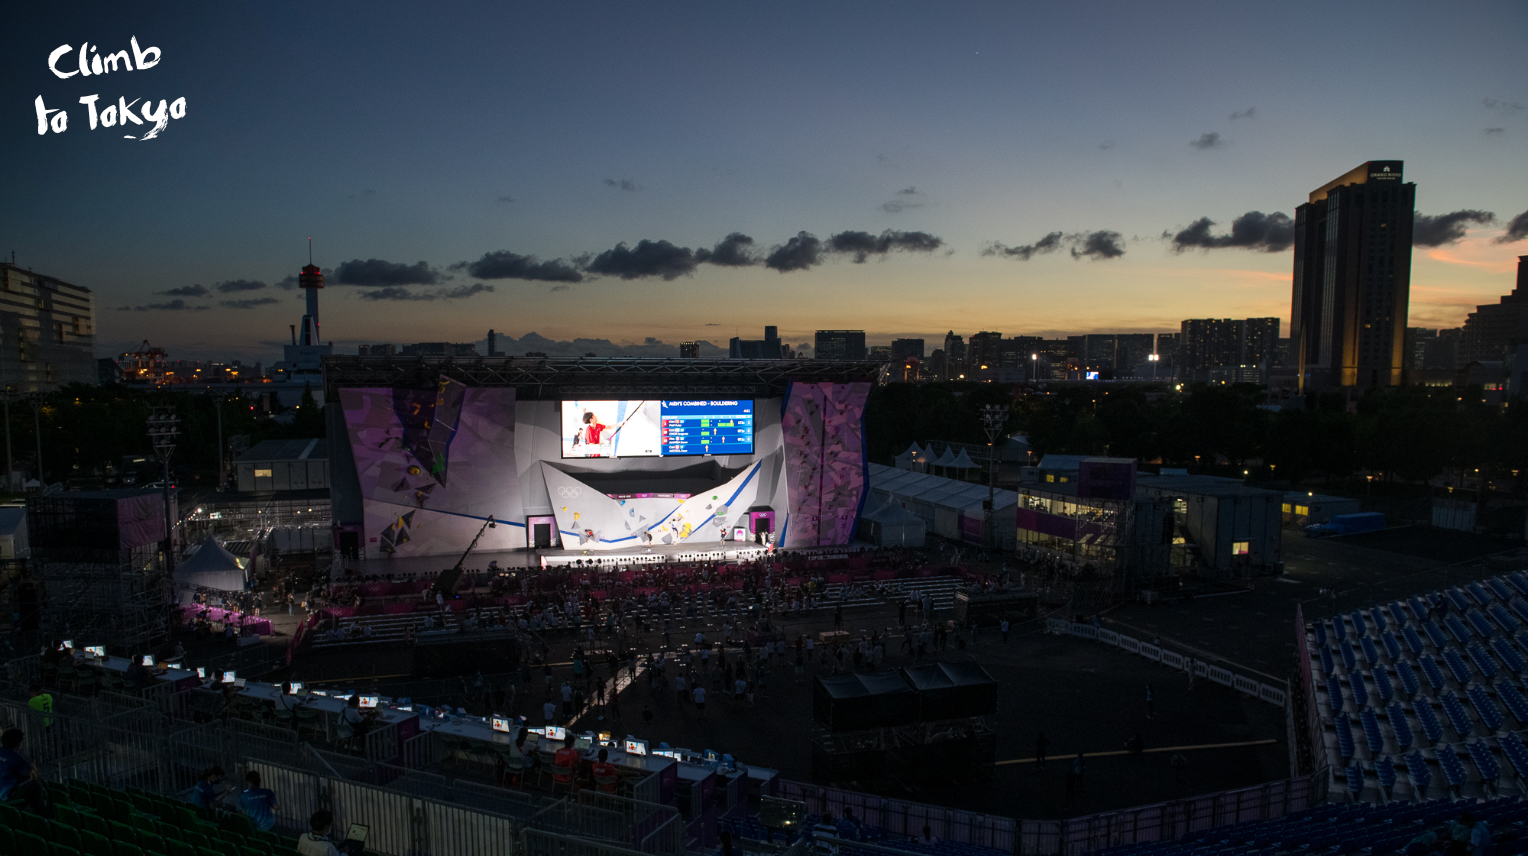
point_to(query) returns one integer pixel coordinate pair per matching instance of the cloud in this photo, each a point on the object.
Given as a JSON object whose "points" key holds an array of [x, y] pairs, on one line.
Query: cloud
{"points": [[863, 245], [735, 250], [1517, 229], [506, 198], [646, 259], [1049, 243], [908, 191], [906, 199], [621, 184], [1099, 245], [1435, 231], [799, 253], [186, 291], [287, 283], [1209, 140], [559, 288], [176, 305], [1254, 230], [1106, 145], [233, 285], [1244, 114], [1103, 244], [503, 264], [1493, 131], [379, 272], [398, 293], [248, 303], [1503, 106]]}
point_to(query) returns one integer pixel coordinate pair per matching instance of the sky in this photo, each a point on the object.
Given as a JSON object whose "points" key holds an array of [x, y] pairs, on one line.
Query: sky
{"points": [[902, 168]]}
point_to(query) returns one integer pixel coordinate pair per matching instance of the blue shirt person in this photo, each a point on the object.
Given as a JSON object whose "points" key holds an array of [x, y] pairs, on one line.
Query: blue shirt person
{"points": [[258, 803]]}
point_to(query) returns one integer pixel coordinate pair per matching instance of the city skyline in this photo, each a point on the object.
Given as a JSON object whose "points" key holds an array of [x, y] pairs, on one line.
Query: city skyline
{"points": [[1035, 172]]}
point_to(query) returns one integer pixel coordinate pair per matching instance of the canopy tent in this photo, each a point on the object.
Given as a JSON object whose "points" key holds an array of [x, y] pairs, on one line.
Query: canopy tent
{"points": [[210, 567], [963, 461], [945, 459], [891, 525]]}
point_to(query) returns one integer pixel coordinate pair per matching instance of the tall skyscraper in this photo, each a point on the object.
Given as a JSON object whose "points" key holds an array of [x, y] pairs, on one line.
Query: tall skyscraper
{"points": [[1352, 279], [48, 328], [767, 348], [902, 349], [840, 345], [689, 350], [954, 356], [1489, 330], [1206, 344], [984, 351]]}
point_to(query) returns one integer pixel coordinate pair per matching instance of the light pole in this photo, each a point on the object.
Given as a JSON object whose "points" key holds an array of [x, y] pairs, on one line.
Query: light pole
{"points": [[164, 427], [1034, 368], [993, 417], [36, 399], [222, 473], [1154, 359]]}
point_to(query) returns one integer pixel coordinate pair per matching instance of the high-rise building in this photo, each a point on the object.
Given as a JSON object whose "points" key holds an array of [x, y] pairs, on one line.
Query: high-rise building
{"points": [[984, 352], [768, 348], [954, 356], [1132, 355], [378, 350], [880, 353], [689, 350], [1489, 330], [840, 345], [1415, 351], [1207, 344], [1352, 279], [902, 349], [47, 332]]}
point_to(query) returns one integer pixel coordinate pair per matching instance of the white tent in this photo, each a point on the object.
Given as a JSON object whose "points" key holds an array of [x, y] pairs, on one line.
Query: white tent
{"points": [[963, 461], [945, 459], [891, 525], [210, 567]]}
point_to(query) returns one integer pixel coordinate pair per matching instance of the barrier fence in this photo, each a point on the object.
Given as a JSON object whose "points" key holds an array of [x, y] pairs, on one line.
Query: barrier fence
{"points": [[1168, 820], [1274, 695], [900, 817]]}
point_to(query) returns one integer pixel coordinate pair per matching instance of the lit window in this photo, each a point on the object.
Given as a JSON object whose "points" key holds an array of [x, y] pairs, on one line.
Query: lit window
{"points": [[1302, 510], [1050, 477], [1063, 479], [262, 474], [1286, 508], [1241, 548]]}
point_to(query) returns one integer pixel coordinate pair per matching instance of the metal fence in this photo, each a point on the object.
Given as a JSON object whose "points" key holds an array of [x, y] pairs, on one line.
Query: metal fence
{"points": [[1167, 820], [900, 817], [1274, 695]]}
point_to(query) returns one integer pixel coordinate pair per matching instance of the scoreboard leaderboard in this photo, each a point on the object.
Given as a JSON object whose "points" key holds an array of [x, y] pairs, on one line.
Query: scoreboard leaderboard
{"points": [[706, 428]]}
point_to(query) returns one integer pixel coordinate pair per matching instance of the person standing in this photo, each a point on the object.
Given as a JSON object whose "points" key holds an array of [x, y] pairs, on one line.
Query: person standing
{"points": [[699, 694], [838, 617], [1151, 703], [549, 712], [1040, 744], [1179, 763], [41, 701], [1004, 628]]}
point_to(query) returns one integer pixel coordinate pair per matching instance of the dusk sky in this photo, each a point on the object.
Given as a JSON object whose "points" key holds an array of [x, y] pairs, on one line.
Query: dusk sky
{"points": [[515, 146]]}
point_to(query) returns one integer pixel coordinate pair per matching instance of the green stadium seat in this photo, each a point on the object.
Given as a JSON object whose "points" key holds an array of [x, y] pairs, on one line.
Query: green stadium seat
{"points": [[59, 794], [7, 840], [271, 840], [178, 848], [122, 848], [195, 839], [27, 843], [90, 822], [64, 833], [238, 823], [251, 851], [151, 842], [122, 832], [185, 816], [57, 849], [94, 844], [143, 824], [208, 852], [36, 824]]}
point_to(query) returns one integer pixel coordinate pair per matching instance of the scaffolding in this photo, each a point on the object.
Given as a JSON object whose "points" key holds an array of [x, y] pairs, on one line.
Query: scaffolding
{"points": [[95, 603]]}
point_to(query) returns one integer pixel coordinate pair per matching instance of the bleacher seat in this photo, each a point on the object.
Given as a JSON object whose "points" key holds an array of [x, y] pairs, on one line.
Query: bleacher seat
{"points": [[1348, 660], [1453, 769], [1509, 657], [1479, 622], [1432, 673], [1513, 699], [1482, 660], [1326, 660], [1334, 702], [1457, 717], [1485, 762], [1503, 617], [1371, 653], [1360, 693], [1431, 729], [1490, 714], [1518, 581], [1359, 627], [1382, 685], [1413, 640], [1457, 628], [1408, 678], [1344, 736], [1398, 613], [1392, 647], [1372, 736], [1416, 770], [1320, 628], [1456, 666], [1435, 634], [1499, 589], [1339, 627], [1400, 727], [1516, 754], [1456, 597], [1377, 617]]}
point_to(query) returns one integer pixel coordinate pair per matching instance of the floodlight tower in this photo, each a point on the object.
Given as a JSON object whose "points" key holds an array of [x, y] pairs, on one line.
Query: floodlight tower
{"points": [[310, 280], [164, 427]]}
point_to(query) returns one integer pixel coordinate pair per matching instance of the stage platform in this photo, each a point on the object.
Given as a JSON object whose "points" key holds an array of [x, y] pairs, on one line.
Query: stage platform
{"points": [[512, 560]]}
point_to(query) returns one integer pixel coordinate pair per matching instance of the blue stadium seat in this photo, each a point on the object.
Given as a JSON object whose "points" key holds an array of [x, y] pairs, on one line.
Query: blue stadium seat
{"points": [[1457, 598], [1382, 685], [1339, 627], [1392, 647], [1490, 714], [1432, 673], [1435, 634], [1456, 715], [1413, 641], [1503, 616], [1419, 610], [1334, 702], [1416, 770], [1384, 770], [1371, 653], [1519, 607], [1513, 699], [1372, 736], [1344, 736], [1485, 762], [1326, 660], [1456, 666], [1360, 693], [1479, 622], [1517, 756], [1398, 613], [1431, 729], [1453, 769], [1518, 581], [1348, 659], [1320, 629], [1456, 626], [1359, 626], [1355, 777], [1378, 617], [1482, 659], [1500, 589], [1509, 657], [1478, 593], [1399, 726], [1408, 678]]}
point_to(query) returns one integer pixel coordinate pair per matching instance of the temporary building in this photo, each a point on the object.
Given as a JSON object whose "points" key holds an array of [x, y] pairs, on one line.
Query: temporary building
{"points": [[858, 701], [949, 508], [891, 525], [210, 567], [945, 459], [963, 461]]}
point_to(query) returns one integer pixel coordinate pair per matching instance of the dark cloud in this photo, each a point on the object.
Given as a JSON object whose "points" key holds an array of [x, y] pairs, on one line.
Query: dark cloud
{"points": [[1244, 114], [1049, 243], [712, 324], [1209, 140], [1517, 229], [384, 273], [621, 184], [287, 283], [559, 288], [506, 198], [233, 285], [1099, 245], [906, 199], [248, 303], [908, 191], [863, 245], [799, 253], [646, 259], [176, 305], [503, 264], [1435, 231], [186, 291], [735, 250], [1493, 131], [1106, 145], [398, 293], [1254, 230], [1504, 106]]}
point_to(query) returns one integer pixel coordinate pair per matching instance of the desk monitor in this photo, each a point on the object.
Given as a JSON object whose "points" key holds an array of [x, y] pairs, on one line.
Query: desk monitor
{"points": [[406, 708], [368, 701], [635, 746], [96, 650], [240, 683], [556, 733], [500, 724], [168, 666], [605, 738], [66, 645], [229, 677], [357, 833], [201, 672], [294, 688], [583, 744], [712, 756], [148, 659]]}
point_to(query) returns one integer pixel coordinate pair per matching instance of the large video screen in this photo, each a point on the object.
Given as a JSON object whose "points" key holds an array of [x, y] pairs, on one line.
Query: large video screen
{"points": [[656, 429]]}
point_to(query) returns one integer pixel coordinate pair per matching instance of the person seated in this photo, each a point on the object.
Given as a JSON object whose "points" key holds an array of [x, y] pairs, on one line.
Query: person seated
{"points": [[605, 776], [209, 790], [317, 842], [567, 756], [137, 674]]}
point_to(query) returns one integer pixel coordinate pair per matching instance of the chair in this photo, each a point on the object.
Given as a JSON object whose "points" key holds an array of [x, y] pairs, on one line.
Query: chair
{"points": [[63, 833], [151, 842], [178, 848], [195, 839], [37, 825], [122, 848], [92, 823], [238, 824], [565, 777], [93, 844]]}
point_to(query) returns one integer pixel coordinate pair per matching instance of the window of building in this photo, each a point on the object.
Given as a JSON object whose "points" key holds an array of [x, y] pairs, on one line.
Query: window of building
{"points": [[1050, 477], [1241, 548], [1063, 479], [1302, 510], [59, 328], [262, 474], [1180, 506], [1286, 508]]}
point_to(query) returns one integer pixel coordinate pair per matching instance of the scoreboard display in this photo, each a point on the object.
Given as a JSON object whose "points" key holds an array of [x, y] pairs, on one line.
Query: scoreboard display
{"points": [[706, 428]]}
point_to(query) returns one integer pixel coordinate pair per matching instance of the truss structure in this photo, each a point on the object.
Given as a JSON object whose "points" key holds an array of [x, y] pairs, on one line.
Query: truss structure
{"points": [[96, 603], [567, 377]]}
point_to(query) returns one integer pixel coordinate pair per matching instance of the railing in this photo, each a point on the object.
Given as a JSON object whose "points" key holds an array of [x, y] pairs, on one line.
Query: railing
{"points": [[1167, 820], [1274, 695], [900, 817]]}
